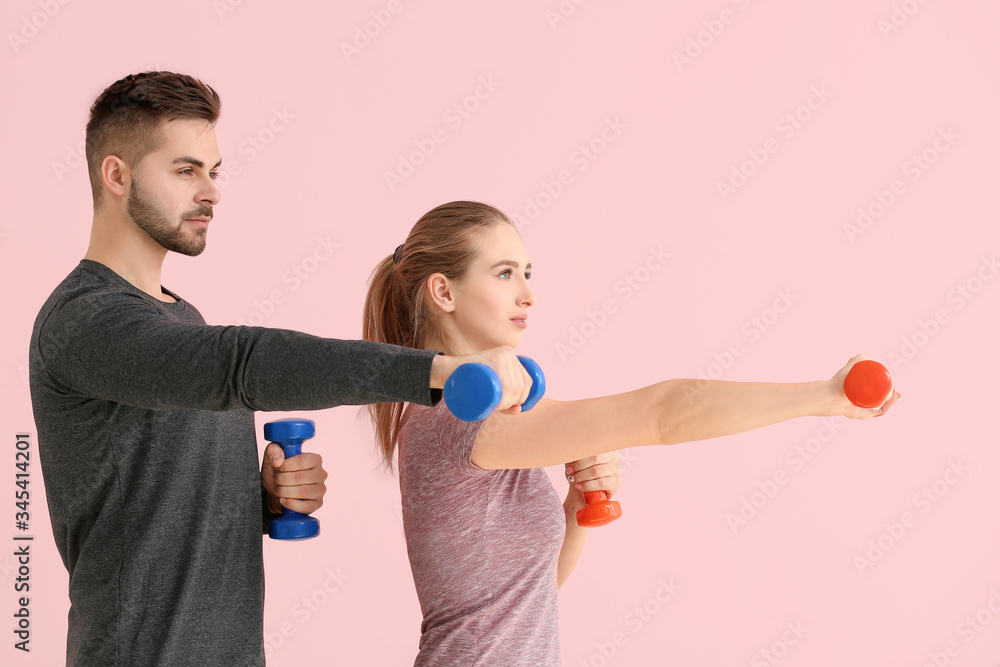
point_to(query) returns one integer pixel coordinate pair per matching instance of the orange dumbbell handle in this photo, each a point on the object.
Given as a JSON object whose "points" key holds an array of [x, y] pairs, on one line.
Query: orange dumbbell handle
{"points": [[599, 510]]}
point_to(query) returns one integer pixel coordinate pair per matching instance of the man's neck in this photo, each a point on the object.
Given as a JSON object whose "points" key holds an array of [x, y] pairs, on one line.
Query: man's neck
{"points": [[130, 253]]}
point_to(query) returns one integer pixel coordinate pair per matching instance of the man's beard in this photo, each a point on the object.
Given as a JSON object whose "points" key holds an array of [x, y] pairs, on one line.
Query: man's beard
{"points": [[155, 223]]}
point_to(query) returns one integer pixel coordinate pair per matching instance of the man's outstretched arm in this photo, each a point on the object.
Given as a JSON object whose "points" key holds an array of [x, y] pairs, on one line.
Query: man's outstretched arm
{"points": [[123, 349]]}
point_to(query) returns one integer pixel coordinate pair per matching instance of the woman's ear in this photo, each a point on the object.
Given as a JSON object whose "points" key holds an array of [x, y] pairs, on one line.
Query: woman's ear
{"points": [[439, 291]]}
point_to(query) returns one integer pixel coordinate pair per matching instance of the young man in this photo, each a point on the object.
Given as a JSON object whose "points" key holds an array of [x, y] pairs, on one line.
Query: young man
{"points": [[145, 413]]}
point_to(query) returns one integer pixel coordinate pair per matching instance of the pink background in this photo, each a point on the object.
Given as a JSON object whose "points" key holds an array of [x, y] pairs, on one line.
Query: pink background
{"points": [[328, 127]]}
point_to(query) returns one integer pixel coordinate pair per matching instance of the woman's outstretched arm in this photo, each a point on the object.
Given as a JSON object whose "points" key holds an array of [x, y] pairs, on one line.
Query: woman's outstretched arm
{"points": [[662, 414]]}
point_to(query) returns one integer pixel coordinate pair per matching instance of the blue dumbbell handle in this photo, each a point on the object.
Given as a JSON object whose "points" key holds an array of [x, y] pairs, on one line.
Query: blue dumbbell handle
{"points": [[290, 434]]}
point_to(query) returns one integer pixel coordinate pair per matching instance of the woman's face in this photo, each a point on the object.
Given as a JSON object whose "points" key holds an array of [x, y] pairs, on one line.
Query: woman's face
{"points": [[490, 304]]}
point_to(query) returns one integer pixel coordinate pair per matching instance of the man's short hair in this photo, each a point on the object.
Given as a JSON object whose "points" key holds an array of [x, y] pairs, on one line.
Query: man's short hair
{"points": [[126, 118]]}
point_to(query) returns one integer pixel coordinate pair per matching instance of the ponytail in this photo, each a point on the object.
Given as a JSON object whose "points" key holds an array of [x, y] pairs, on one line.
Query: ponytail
{"points": [[386, 320]]}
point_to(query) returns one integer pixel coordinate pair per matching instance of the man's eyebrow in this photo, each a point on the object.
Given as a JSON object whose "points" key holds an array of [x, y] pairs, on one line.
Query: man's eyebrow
{"points": [[512, 263], [195, 161]]}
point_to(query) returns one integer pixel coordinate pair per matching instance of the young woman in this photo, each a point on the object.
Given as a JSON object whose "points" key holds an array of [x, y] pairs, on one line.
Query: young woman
{"points": [[487, 540]]}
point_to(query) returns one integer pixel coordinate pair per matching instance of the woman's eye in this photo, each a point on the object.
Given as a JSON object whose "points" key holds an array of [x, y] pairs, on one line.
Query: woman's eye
{"points": [[505, 274]]}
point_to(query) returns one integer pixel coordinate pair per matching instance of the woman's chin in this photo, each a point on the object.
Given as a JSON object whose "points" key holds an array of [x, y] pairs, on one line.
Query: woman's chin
{"points": [[509, 341]]}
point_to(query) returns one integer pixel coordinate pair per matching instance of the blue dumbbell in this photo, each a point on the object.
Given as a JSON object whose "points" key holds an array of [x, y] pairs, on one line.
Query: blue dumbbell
{"points": [[473, 391], [289, 433]]}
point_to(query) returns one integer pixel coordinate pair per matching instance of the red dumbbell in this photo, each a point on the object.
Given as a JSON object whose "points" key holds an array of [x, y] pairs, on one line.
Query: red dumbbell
{"points": [[599, 510], [867, 384]]}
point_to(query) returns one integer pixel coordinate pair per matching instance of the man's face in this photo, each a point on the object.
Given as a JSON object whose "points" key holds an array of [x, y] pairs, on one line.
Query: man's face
{"points": [[173, 188]]}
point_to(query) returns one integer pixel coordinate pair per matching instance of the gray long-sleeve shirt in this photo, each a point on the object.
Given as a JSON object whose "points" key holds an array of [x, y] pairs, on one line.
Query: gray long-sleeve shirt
{"points": [[149, 457]]}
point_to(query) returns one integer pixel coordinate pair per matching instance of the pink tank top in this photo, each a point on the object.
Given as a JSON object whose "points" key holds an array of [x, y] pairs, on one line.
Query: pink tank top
{"points": [[483, 545]]}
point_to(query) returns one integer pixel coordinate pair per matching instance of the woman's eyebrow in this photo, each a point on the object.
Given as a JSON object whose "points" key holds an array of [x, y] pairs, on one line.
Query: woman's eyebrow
{"points": [[512, 263]]}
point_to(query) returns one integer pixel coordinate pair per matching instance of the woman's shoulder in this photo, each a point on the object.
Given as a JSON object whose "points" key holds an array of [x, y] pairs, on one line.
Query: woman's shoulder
{"points": [[418, 417], [433, 436], [437, 421]]}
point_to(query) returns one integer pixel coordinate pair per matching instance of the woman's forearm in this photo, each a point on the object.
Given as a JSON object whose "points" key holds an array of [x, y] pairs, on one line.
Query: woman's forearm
{"points": [[702, 409], [572, 546]]}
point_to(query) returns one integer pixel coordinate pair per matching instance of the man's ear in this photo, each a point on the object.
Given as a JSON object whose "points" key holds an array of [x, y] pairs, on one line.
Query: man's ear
{"points": [[116, 175], [439, 291]]}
